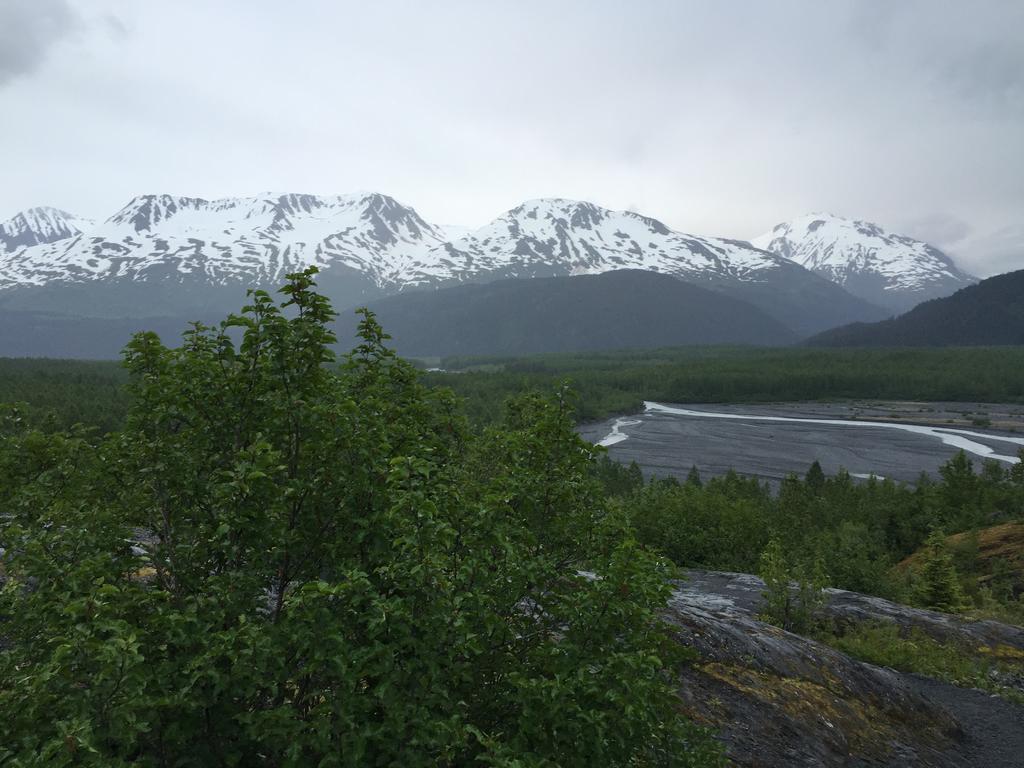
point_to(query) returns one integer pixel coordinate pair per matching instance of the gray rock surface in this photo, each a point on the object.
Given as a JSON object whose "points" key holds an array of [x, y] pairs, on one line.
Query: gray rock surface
{"points": [[779, 699]]}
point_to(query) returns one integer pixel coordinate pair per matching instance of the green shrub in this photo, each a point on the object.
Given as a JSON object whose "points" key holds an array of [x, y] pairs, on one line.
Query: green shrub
{"points": [[279, 564], [794, 591], [884, 644]]}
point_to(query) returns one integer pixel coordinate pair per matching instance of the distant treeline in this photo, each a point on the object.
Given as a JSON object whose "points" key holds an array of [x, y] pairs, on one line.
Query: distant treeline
{"points": [[607, 382], [619, 382]]}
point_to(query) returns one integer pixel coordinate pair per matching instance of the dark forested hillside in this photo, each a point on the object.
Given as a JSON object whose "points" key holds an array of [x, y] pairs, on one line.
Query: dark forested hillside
{"points": [[989, 313], [614, 310]]}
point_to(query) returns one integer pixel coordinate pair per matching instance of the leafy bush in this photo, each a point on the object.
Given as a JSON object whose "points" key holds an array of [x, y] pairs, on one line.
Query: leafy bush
{"points": [[794, 592], [275, 564]]}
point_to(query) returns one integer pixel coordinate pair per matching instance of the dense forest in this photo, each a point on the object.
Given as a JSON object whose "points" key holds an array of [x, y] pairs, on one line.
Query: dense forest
{"points": [[62, 393], [619, 382], [857, 532], [606, 383]]}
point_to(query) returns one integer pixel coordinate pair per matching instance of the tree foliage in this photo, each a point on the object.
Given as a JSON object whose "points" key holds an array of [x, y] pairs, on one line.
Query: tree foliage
{"points": [[937, 585], [859, 530], [282, 563], [793, 590]]}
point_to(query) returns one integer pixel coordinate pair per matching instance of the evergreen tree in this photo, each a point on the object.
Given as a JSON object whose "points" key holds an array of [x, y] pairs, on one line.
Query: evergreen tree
{"points": [[937, 584], [815, 478], [960, 489]]}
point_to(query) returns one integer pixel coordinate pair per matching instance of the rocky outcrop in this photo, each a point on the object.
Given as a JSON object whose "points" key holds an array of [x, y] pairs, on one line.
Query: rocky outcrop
{"points": [[851, 608], [779, 699]]}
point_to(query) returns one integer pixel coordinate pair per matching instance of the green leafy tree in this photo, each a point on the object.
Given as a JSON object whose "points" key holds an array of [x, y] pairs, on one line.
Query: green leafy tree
{"points": [[618, 479], [794, 592], [856, 559], [281, 563]]}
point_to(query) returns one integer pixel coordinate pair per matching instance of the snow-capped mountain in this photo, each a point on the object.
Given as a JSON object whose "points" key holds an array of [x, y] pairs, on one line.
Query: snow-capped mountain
{"points": [[891, 270], [39, 225], [560, 237], [554, 237], [260, 239], [166, 255], [254, 240]]}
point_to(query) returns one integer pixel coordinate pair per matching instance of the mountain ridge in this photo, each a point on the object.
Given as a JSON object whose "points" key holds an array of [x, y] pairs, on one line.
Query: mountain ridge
{"points": [[534, 231], [173, 255]]}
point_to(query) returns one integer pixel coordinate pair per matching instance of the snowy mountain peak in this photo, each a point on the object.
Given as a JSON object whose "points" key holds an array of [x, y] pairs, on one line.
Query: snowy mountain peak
{"points": [[889, 269], [555, 236], [270, 213], [393, 221], [144, 212], [574, 213], [811, 223], [39, 225]]}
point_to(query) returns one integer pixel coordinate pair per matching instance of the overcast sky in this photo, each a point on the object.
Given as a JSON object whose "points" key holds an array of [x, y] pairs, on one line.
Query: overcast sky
{"points": [[718, 117]]}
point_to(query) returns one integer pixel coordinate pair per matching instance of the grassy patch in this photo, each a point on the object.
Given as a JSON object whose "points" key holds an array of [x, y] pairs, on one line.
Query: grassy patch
{"points": [[885, 646]]}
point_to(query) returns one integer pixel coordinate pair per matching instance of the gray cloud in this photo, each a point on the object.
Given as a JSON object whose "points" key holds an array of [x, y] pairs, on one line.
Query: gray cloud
{"points": [[993, 252], [115, 26], [28, 29], [717, 118], [991, 76]]}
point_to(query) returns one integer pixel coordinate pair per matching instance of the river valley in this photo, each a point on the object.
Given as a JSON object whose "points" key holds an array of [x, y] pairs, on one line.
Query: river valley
{"points": [[770, 441]]}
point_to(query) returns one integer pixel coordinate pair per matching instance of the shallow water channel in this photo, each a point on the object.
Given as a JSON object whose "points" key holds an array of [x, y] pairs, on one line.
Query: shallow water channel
{"points": [[773, 441]]}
